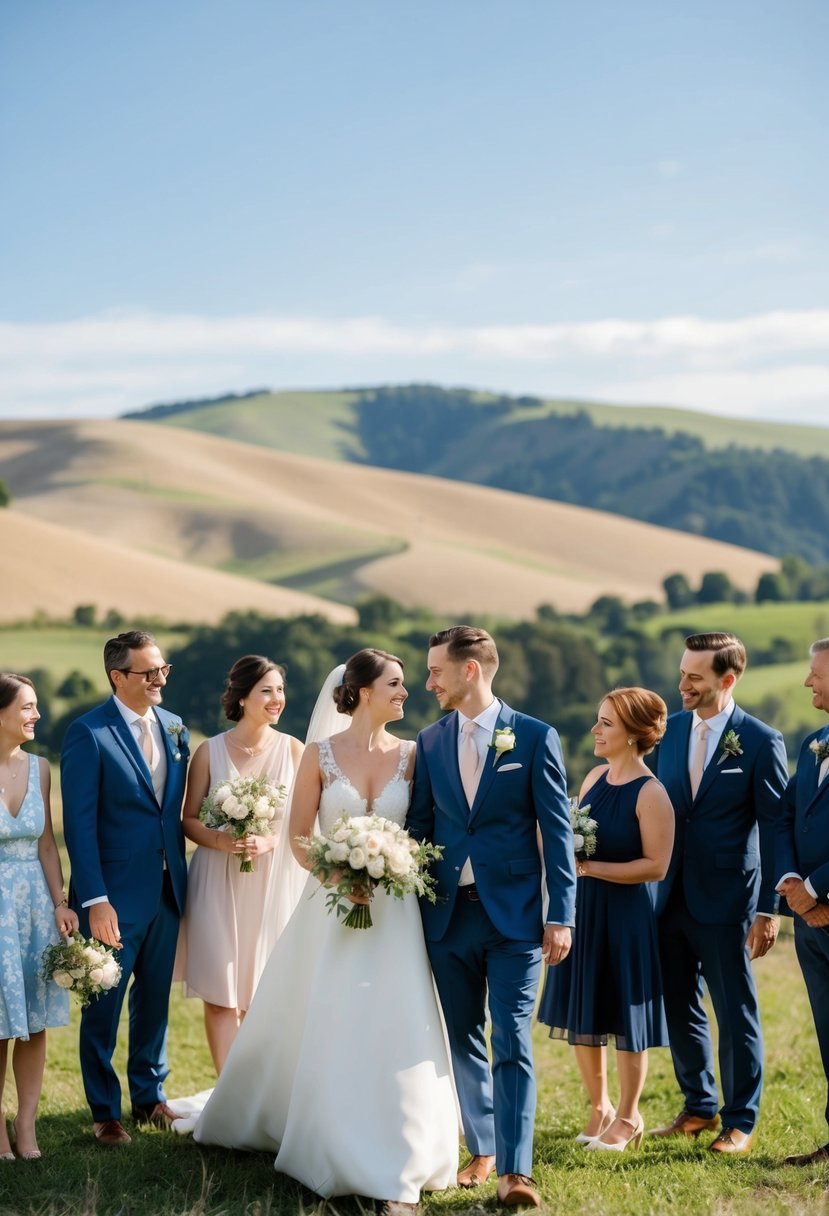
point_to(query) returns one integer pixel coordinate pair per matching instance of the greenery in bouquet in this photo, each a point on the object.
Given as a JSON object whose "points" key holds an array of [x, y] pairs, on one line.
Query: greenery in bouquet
{"points": [[360, 854], [248, 806], [83, 966], [584, 830]]}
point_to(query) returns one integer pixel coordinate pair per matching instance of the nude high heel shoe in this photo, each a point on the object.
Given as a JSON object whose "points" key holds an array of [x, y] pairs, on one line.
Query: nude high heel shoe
{"points": [[635, 1138], [583, 1138]]}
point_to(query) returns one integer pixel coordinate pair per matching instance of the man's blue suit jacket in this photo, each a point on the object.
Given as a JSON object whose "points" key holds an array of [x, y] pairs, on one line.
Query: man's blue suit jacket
{"points": [[803, 832], [724, 843], [117, 835], [519, 792]]}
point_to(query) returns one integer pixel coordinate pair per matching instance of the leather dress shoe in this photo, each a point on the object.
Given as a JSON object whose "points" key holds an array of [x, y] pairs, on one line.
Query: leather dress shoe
{"points": [[476, 1172], [111, 1131], [517, 1191], [686, 1124], [818, 1157], [732, 1140], [159, 1115]]}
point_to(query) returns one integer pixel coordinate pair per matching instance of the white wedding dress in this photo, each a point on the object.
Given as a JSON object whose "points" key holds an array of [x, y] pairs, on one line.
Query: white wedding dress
{"points": [[340, 1066]]}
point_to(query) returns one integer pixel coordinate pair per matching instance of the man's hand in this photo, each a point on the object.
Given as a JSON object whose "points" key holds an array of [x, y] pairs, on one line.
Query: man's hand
{"points": [[556, 944], [103, 924], [761, 936], [818, 917], [797, 896]]}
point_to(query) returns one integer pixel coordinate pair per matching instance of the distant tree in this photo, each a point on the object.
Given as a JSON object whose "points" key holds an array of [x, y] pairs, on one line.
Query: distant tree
{"points": [[75, 686], [716, 588], [678, 591], [113, 619], [610, 613], [5, 496], [379, 613], [772, 587], [84, 615]]}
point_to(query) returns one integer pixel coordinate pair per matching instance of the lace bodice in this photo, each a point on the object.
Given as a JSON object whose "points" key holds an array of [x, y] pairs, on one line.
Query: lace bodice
{"points": [[339, 797], [19, 834]]}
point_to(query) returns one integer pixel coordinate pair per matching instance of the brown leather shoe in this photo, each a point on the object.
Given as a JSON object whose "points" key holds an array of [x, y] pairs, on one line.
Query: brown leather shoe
{"points": [[110, 1131], [732, 1140], [159, 1115], [686, 1124], [818, 1157], [476, 1172], [517, 1191]]}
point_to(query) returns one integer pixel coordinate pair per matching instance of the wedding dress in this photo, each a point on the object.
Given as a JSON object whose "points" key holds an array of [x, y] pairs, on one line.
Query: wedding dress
{"points": [[341, 1066]]}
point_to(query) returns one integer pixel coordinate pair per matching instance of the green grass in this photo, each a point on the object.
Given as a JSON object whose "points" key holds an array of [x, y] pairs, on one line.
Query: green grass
{"points": [[60, 649], [756, 624], [163, 1175]]}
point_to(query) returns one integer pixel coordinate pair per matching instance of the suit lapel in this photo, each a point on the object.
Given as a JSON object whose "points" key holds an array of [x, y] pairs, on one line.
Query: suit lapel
{"points": [[814, 790], [505, 718], [718, 760], [127, 741], [680, 759], [448, 759]]}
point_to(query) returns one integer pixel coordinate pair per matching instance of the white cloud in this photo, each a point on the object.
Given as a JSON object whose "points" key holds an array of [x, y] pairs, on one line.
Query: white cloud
{"points": [[104, 364]]}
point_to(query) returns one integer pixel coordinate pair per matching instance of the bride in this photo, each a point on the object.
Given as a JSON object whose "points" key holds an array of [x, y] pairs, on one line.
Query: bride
{"points": [[340, 1066]]}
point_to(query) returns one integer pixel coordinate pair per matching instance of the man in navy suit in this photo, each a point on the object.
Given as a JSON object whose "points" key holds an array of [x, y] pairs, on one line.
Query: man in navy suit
{"points": [[725, 773], [803, 863], [487, 779], [123, 771]]}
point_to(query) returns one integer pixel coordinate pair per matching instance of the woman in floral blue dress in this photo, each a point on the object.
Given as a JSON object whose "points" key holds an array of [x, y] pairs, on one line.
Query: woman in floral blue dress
{"points": [[33, 912]]}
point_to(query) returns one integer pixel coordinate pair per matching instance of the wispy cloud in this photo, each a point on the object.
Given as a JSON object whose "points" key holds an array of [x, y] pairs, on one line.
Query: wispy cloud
{"points": [[108, 363]]}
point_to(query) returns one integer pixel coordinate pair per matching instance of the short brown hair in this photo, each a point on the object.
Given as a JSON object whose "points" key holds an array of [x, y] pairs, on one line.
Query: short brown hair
{"points": [[466, 642], [729, 653], [642, 713], [117, 650], [243, 676]]}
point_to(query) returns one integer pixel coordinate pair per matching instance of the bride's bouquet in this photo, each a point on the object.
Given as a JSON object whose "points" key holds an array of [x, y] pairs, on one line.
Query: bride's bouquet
{"points": [[584, 830], [247, 806], [364, 853], [84, 967]]}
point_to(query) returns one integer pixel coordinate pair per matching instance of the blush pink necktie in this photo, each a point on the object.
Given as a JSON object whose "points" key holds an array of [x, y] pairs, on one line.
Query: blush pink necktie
{"points": [[469, 761], [145, 742], [702, 731]]}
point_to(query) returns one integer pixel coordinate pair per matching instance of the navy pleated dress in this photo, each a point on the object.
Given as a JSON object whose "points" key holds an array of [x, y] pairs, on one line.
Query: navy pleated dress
{"points": [[610, 985]]}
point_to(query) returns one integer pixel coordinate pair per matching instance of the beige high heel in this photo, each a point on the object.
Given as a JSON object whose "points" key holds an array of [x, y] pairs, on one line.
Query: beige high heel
{"points": [[635, 1138], [583, 1138], [31, 1154]]}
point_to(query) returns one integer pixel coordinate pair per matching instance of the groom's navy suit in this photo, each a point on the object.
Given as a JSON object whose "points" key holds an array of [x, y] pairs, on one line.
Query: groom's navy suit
{"points": [[123, 845], [803, 849], [490, 946], [721, 874]]}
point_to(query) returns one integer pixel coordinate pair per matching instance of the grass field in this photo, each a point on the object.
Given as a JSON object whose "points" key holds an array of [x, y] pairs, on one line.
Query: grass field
{"points": [[164, 1175], [756, 624]]}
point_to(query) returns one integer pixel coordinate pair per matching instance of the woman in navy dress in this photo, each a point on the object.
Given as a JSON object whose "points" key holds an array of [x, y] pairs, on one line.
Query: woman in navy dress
{"points": [[609, 987]]}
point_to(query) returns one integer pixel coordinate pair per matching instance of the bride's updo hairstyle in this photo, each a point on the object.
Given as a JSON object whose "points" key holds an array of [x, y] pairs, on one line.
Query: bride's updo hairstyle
{"points": [[642, 713], [361, 670], [243, 676]]}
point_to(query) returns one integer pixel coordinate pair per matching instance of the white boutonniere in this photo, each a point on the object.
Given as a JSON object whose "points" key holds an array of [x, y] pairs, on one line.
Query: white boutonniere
{"points": [[730, 746], [503, 740], [179, 733], [819, 749]]}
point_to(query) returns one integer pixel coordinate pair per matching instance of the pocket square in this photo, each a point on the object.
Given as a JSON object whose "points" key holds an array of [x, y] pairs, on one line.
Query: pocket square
{"points": [[505, 768], [730, 770]]}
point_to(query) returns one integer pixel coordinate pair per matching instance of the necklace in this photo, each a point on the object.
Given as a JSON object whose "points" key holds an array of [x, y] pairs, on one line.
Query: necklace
{"points": [[249, 751], [12, 778]]}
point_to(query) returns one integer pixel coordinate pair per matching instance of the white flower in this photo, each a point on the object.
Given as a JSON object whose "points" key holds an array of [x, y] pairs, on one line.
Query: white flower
{"points": [[337, 852], [110, 974], [373, 844], [357, 858], [376, 867], [233, 808], [503, 740], [222, 792], [96, 975], [78, 973], [400, 860], [264, 807], [92, 955], [578, 841], [63, 979]]}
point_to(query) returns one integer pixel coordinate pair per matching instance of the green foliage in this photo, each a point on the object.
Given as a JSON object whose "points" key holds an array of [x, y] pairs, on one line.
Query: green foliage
{"points": [[5, 496], [84, 615], [677, 591]]}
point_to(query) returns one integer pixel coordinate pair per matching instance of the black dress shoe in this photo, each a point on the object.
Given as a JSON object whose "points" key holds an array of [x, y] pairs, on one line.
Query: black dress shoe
{"points": [[819, 1156]]}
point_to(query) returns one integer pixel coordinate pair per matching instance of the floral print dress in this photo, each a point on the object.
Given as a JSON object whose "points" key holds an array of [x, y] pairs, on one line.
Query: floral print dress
{"points": [[28, 1003]]}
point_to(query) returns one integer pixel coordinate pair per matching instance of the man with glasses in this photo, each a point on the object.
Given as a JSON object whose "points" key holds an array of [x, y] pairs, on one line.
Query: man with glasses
{"points": [[123, 769]]}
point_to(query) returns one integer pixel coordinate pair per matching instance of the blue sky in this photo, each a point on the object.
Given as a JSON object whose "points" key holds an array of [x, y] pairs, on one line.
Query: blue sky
{"points": [[622, 201]]}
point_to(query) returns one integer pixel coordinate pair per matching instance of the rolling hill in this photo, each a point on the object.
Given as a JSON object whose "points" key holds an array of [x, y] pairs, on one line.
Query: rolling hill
{"points": [[203, 505]]}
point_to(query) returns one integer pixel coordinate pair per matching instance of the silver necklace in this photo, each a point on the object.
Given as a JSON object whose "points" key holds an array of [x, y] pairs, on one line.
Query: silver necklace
{"points": [[249, 751]]}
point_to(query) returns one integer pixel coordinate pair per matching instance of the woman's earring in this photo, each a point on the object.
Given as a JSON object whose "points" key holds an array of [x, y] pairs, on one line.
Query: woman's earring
{"points": [[630, 743]]}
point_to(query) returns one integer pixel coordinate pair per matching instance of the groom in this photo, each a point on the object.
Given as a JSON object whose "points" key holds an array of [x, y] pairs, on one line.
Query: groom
{"points": [[486, 779], [122, 776]]}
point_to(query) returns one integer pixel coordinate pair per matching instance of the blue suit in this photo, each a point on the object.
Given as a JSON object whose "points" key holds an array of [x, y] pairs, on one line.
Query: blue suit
{"points": [[803, 848], [492, 947], [125, 846], [720, 875]]}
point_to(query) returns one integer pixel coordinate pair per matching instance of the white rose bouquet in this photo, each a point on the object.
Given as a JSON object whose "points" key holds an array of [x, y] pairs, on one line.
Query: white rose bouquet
{"points": [[82, 966], [248, 806], [367, 852], [584, 830]]}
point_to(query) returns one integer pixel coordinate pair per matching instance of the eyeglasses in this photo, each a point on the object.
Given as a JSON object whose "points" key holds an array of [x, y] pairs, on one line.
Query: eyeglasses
{"points": [[152, 673]]}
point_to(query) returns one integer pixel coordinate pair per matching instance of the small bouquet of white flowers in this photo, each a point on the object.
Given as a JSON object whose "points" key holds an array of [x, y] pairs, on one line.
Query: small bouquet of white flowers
{"points": [[83, 966], [584, 830], [367, 852], [247, 806]]}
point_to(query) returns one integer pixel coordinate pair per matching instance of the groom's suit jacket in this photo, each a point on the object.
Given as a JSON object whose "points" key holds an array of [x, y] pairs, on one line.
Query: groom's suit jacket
{"points": [[803, 830], [520, 792], [118, 837], [725, 837]]}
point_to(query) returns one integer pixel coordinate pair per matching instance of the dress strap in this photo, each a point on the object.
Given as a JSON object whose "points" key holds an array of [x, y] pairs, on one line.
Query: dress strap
{"points": [[328, 765]]}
